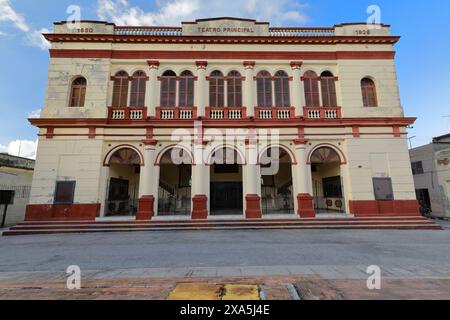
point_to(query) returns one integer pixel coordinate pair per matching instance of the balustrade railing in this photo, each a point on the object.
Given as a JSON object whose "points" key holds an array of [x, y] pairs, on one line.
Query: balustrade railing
{"points": [[322, 112], [225, 113], [127, 113], [176, 113], [276, 113]]}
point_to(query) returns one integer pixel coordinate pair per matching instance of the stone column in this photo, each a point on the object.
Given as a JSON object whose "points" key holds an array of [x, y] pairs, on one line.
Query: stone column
{"points": [[252, 176], [200, 98], [302, 181], [298, 95], [149, 182], [152, 96], [249, 88], [200, 179]]}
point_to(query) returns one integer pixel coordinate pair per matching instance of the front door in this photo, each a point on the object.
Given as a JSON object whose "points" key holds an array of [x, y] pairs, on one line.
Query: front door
{"points": [[226, 198]]}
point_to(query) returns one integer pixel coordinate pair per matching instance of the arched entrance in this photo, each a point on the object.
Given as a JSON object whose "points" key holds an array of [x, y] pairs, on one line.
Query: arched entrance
{"points": [[174, 193], [226, 191], [327, 181], [123, 183], [277, 196]]}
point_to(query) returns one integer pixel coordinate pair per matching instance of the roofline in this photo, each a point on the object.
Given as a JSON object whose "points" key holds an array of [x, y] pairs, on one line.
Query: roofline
{"points": [[222, 18]]}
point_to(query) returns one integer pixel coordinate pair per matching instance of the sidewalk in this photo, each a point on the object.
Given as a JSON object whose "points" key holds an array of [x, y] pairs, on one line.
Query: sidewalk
{"points": [[270, 288]]}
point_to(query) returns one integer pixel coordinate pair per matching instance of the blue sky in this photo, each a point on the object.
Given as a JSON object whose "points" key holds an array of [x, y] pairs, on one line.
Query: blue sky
{"points": [[422, 54]]}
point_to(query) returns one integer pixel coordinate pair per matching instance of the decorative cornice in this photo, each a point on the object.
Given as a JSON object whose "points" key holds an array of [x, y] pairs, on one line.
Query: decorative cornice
{"points": [[312, 40]]}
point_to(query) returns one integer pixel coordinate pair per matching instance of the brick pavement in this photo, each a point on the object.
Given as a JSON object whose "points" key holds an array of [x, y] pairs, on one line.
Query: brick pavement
{"points": [[272, 288]]}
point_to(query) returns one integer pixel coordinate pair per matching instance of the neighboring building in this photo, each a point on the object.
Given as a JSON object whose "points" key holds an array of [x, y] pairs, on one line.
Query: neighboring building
{"points": [[119, 99], [431, 170], [16, 174]]}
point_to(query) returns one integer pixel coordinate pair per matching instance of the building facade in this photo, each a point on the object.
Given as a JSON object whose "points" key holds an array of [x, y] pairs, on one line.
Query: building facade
{"points": [[431, 171], [221, 117], [16, 176]]}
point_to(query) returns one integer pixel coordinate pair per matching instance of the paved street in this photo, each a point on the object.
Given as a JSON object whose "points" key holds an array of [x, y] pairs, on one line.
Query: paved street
{"points": [[271, 259]]}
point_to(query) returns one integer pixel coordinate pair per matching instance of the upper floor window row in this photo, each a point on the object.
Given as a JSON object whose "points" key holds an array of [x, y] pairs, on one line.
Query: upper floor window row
{"points": [[185, 84], [326, 95], [223, 90], [122, 89]]}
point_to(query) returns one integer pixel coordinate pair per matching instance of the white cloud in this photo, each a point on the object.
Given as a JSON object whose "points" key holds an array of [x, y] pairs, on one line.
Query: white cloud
{"points": [[33, 37], [172, 12], [35, 114], [21, 148], [36, 39], [8, 14]]}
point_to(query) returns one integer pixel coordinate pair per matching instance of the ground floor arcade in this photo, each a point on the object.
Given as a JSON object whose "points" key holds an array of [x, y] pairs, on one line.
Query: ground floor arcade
{"points": [[170, 183]]}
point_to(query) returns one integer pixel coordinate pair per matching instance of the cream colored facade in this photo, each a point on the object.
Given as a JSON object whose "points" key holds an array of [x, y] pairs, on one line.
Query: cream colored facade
{"points": [[77, 144]]}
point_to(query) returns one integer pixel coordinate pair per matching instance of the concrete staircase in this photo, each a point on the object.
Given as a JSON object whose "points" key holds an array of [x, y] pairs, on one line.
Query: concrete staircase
{"points": [[374, 223]]}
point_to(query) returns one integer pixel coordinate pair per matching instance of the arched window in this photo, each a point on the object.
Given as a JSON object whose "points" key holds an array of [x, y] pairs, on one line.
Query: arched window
{"points": [[138, 83], [120, 90], [216, 89], [311, 82], [327, 82], [186, 91], [369, 93], [264, 89], [168, 89], [282, 96], [234, 88], [78, 92]]}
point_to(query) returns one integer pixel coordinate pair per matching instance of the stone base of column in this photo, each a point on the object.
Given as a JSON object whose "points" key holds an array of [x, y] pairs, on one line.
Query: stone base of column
{"points": [[199, 207], [305, 206], [145, 210], [253, 210]]}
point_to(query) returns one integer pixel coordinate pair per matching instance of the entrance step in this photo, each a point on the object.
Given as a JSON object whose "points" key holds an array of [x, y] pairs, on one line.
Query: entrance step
{"points": [[379, 223]]}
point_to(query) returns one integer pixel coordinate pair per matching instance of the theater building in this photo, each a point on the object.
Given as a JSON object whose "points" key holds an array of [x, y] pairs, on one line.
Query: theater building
{"points": [[221, 117]]}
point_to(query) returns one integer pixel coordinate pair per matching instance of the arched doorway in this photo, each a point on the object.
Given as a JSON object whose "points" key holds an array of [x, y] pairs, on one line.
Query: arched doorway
{"points": [[174, 193], [123, 183], [327, 181], [226, 191], [277, 196]]}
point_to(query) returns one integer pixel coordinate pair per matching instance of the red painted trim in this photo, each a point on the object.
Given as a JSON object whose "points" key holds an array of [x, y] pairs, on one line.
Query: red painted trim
{"points": [[396, 131], [285, 123], [280, 146], [92, 133], [146, 208], [312, 40], [78, 211], [227, 146], [305, 206], [170, 147], [379, 208], [50, 133], [122, 146], [329, 145], [253, 206], [222, 55], [355, 132], [150, 142], [199, 207], [299, 142]]}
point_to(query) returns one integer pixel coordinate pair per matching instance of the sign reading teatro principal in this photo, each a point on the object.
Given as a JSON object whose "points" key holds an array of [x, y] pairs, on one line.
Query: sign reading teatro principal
{"points": [[226, 27]]}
